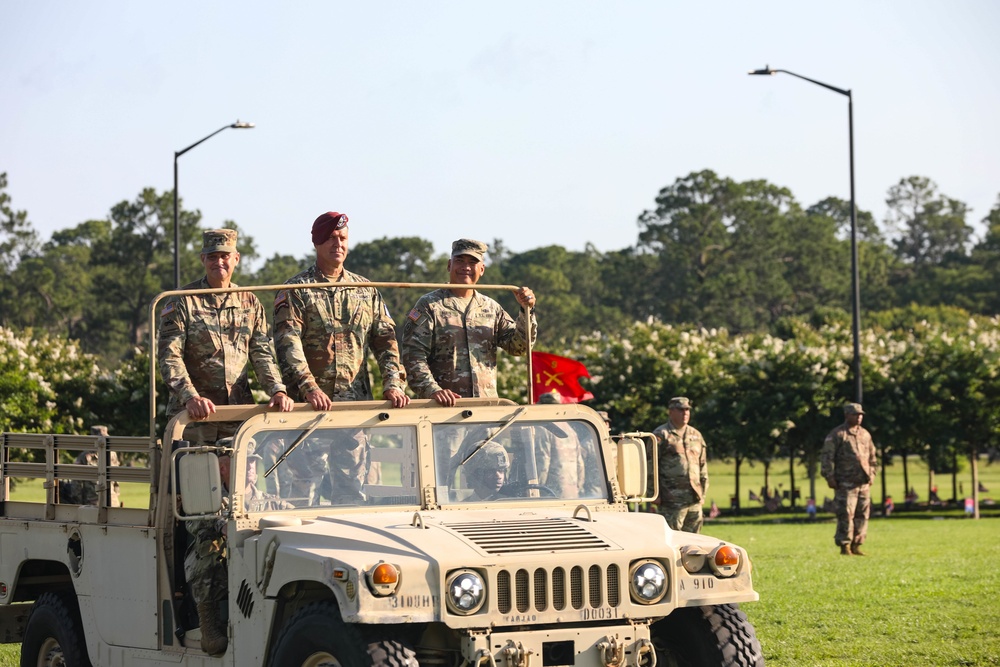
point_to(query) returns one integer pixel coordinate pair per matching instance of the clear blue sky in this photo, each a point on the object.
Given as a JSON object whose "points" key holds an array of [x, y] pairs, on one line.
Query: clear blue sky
{"points": [[535, 122]]}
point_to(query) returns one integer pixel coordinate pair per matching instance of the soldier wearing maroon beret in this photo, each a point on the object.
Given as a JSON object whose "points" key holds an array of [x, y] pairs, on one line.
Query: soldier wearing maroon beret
{"points": [[323, 337]]}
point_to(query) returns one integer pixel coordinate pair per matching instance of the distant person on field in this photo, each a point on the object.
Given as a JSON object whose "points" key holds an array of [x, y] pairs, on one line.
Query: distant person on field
{"points": [[683, 468], [849, 464], [82, 492]]}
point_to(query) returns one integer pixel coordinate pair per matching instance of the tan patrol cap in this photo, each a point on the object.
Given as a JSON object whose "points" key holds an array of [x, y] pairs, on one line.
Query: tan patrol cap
{"points": [[853, 409], [680, 402], [470, 247], [218, 240]]}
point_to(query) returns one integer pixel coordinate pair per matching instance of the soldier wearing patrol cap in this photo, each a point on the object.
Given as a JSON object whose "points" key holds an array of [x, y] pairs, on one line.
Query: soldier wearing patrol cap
{"points": [[848, 463], [451, 336], [207, 341], [683, 468]]}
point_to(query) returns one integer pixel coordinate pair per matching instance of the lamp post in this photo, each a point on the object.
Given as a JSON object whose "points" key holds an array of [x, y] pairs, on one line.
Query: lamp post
{"points": [[177, 228], [855, 283]]}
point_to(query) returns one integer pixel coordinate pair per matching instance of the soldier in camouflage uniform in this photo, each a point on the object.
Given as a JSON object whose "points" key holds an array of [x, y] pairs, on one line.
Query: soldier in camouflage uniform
{"points": [[559, 458], [205, 566], [451, 336], [487, 471], [207, 340], [81, 492], [848, 463], [254, 499], [323, 336], [683, 468]]}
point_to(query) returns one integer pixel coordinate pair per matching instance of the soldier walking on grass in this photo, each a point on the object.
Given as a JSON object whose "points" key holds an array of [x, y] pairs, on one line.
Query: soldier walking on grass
{"points": [[683, 468], [849, 464]]}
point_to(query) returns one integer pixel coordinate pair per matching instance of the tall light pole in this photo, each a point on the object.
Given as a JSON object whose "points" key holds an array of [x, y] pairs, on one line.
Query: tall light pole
{"points": [[177, 228], [855, 286]]}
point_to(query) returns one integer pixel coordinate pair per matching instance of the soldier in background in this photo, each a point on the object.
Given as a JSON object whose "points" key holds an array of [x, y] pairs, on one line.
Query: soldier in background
{"points": [[683, 468], [848, 463], [206, 342], [323, 337], [559, 458], [80, 492], [254, 499], [451, 336]]}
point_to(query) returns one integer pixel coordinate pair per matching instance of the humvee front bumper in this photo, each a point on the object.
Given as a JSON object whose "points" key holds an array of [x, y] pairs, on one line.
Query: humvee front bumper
{"points": [[619, 645]]}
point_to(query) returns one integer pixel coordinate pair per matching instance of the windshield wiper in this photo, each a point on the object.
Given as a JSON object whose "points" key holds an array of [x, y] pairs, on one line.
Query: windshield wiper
{"points": [[503, 427], [302, 436]]}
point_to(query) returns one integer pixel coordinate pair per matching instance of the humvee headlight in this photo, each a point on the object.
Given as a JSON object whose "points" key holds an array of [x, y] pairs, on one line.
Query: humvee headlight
{"points": [[693, 558], [465, 592], [648, 582], [383, 579], [725, 560]]}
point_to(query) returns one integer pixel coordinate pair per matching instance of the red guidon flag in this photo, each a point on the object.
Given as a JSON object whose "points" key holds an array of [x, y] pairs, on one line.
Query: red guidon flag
{"points": [[559, 374]]}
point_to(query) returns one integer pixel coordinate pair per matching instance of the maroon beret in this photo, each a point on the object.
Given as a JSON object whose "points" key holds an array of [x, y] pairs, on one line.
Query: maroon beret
{"points": [[327, 224]]}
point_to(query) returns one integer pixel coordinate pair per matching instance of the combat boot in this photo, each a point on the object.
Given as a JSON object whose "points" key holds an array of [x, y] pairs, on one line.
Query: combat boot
{"points": [[213, 633], [845, 550], [856, 550]]}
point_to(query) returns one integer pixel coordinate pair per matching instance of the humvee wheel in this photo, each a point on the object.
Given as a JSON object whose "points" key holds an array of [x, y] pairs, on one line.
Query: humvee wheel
{"points": [[53, 636], [316, 637], [716, 636]]}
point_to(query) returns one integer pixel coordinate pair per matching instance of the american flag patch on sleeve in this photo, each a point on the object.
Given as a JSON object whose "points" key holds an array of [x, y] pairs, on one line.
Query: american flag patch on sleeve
{"points": [[414, 315], [280, 298], [167, 309]]}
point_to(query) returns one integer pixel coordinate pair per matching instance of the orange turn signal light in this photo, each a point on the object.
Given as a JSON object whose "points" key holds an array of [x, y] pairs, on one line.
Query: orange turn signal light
{"points": [[385, 574]]}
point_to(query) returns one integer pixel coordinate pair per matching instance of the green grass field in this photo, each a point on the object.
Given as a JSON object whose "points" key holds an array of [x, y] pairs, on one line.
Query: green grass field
{"points": [[928, 593]]}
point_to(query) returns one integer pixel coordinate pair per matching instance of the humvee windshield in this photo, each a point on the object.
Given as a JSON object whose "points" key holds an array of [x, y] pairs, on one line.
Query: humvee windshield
{"points": [[534, 460]]}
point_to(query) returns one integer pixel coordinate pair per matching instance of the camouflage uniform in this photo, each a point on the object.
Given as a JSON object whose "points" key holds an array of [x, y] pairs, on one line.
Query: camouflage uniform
{"points": [[848, 462], [205, 342], [560, 461], [683, 476], [82, 492], [322, 338], [205, 559], [451, 343]]}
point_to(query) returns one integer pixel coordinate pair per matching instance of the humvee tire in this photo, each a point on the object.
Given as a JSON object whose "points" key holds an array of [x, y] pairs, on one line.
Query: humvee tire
{"points": [[316, 636], [53, 634], [391, 653], [712, 636]]}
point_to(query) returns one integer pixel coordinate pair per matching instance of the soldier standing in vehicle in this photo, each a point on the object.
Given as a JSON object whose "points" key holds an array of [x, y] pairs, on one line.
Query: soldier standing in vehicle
{"points": [[323, 337], [207, 340], [683, 468], [848, 463], [451, 336]]}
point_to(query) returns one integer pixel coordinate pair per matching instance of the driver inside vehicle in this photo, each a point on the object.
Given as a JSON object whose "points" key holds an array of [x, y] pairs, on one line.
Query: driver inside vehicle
{"points": [[486, 471]]}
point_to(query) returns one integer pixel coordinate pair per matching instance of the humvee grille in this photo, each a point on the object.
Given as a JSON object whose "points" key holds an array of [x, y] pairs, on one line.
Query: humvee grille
{"points": [[508, 537], [588, 587]]}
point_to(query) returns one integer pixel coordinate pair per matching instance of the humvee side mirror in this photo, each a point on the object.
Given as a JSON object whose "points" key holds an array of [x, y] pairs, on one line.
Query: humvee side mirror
{"points": [[632, 468], [200, 484]]}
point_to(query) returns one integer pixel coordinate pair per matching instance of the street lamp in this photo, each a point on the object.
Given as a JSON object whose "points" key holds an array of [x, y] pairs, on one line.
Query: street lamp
{"points": [[239, 125], [855, 287]]}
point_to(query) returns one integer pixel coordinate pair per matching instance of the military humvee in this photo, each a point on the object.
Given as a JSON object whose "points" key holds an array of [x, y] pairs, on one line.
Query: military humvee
{"points": [[548, 567]]}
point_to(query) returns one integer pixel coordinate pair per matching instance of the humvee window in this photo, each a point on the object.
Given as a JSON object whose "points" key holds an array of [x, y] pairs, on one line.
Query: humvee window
{"points": [[544, 460]]}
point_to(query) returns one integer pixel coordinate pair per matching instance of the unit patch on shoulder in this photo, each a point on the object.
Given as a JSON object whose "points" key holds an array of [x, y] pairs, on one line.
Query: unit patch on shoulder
{"points": [[280, 299]]}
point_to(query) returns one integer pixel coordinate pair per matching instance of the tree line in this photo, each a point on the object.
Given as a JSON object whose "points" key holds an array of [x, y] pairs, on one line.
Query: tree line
{"points": [[743, 261]]}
